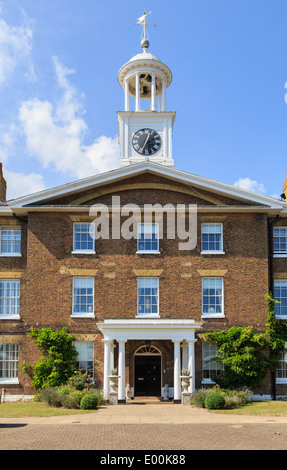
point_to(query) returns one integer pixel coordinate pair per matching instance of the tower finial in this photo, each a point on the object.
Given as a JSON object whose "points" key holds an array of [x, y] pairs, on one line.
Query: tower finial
{"points": [[144, 36]]}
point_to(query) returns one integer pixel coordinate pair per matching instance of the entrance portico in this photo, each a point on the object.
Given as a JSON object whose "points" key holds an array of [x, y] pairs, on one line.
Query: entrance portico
{"points": [[181, 332]]}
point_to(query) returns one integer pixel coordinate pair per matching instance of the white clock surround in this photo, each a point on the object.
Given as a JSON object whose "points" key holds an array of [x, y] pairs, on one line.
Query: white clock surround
{"points": [[145, 78]]}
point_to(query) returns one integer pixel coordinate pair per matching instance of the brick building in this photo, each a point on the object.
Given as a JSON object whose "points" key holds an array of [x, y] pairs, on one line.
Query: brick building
{"points": [[139, 261]]}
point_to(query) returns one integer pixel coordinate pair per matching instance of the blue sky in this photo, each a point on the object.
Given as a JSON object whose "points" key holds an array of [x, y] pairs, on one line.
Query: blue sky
{"points": [[59, 93]]}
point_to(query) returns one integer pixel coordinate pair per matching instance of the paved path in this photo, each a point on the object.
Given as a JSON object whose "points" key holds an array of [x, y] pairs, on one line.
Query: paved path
{"points": [[145, 427]]}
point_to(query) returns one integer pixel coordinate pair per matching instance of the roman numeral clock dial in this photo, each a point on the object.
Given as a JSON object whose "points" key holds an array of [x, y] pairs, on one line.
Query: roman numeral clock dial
{"points": [[146, 142]]}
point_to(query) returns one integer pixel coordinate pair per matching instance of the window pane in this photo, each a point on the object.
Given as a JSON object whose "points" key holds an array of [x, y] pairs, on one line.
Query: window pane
{"points": [[212, 293], [280, 239], [9, 297], [147, 296], [280, 294], [83, 237], [148, 236], [10, 241], [8, 361], [83, 295], [85, 351], [281, 372], [211, 237], [210, 367]]}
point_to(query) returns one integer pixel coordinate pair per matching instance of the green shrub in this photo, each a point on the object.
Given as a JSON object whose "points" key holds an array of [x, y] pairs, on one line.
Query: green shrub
{"points": [[199, 396], [73, 399], [236, 398], [214, 401], [89, 402], [47, 395], [79, 380]]}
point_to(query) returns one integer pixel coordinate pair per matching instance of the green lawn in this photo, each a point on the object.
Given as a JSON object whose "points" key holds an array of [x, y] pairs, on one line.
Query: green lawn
{"points": [[21, 409], [37, 409], [260, 408]]}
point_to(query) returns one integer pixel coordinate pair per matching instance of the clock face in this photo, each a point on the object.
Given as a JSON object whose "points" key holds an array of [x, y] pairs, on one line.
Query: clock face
{"points": [[146, 141]]}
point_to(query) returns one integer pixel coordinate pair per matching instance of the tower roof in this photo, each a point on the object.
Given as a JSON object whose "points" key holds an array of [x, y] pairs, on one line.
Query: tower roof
{"points": [[141, 61]]}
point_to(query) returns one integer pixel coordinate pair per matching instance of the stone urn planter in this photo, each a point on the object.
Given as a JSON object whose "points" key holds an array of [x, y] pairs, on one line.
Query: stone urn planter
{"points": [[185, 394], [185, 381], [114, 382], [113, 395]]}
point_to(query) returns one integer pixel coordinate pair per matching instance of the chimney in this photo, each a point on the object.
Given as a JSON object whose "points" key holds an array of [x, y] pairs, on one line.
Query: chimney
{"points": [[3, 185]]}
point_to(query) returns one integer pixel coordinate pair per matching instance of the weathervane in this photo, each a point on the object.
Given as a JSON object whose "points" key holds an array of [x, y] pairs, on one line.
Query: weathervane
{"points": [[144, 36]]}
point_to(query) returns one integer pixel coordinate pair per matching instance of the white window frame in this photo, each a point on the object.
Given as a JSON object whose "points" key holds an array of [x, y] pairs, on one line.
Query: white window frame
{"points": [[10, 363], [145, 228], [213, 314], [279, 283], [89, 314], [209, 350], [85, 351], [278, 253], [143, 280], [12, 229], [210, 226], [283, 368], [11, 316], [91, 231]]}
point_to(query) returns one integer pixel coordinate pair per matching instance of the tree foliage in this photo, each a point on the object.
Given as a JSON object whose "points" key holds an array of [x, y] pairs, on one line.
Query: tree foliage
{"points": [[58, 361]]}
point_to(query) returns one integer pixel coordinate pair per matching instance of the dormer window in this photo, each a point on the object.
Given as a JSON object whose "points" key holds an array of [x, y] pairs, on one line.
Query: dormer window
{"points": [[148, 238]]}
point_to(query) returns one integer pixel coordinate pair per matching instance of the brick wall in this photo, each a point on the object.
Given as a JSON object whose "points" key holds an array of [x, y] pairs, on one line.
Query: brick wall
{"points": [[48, 269]]}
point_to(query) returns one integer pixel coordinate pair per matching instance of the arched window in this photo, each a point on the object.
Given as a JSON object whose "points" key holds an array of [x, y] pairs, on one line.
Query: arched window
{"points": [[147, 349]]}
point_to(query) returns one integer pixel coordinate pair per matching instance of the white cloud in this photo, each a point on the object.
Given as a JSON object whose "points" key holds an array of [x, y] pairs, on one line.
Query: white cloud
{"points": [[250, 185], [55, 134], [15, 48], [19, 184]]}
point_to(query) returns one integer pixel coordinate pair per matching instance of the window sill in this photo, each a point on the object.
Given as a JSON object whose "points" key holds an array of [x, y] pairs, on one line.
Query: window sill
{"points": [[83, 315], [215, 252], [279, 255], [83, 252], [153, 315], [208, 381], [9, 317], [151, 252], [212, 315], [281, 317], [10, 255], [9, 381], [281, 381]]}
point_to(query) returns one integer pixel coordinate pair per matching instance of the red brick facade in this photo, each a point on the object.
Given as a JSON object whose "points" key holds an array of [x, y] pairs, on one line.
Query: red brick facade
{"points": [[47, 266]]}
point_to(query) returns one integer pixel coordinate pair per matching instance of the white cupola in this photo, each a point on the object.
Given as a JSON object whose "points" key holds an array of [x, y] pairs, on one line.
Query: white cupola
{"points": [[145, 126]]}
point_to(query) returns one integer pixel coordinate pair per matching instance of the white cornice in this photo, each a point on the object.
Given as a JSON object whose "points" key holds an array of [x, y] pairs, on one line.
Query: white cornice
{"points": [[118, 174]]}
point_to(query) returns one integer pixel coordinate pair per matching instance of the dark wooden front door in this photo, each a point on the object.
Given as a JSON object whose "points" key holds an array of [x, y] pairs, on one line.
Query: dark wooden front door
{"points": [[148, 376]]}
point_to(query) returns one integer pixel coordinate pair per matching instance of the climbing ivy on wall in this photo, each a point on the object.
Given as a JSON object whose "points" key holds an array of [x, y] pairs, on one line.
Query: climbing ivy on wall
{"points": [[58, 361], [248, 355]]}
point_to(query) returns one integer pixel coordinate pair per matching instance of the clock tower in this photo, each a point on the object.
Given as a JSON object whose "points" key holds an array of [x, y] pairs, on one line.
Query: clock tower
{"points": [[145, 126]]}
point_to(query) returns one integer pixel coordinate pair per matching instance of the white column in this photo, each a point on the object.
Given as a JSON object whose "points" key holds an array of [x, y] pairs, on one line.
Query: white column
{"points": [[163, 94], [137, 91], [122, 371], [112, 349], [184, 356], [153, 93], [127, 100], [177, 371], [191, 364], [107, 366]]}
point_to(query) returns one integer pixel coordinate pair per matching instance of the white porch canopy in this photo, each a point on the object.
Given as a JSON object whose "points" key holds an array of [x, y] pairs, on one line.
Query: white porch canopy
{"points": [[179, 331]]}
